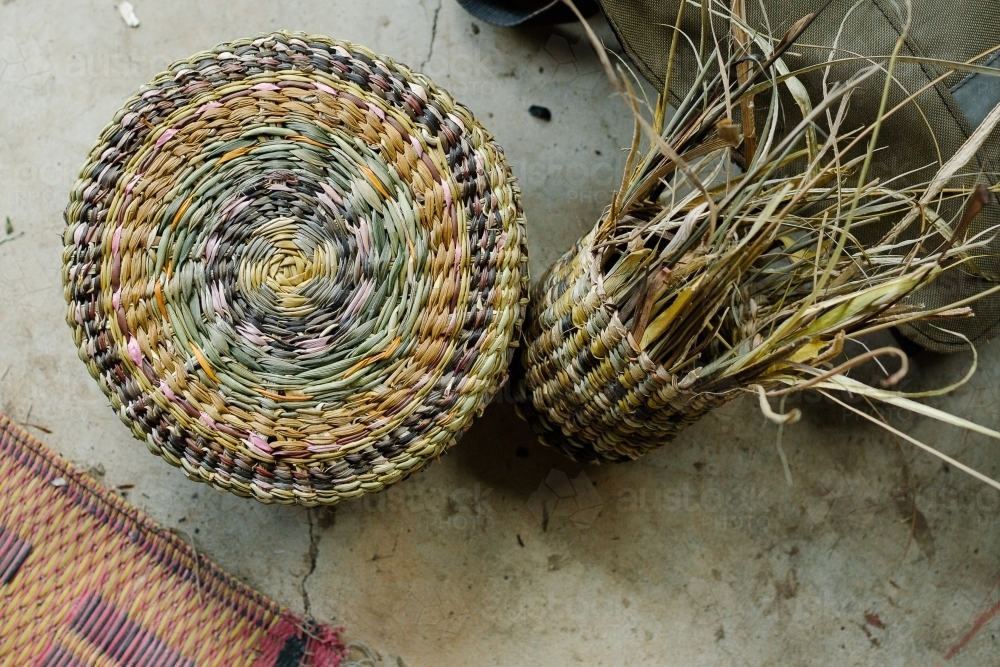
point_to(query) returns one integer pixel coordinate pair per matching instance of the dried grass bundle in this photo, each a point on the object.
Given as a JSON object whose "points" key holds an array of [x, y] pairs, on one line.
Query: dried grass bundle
{"points": [[704, 280]]}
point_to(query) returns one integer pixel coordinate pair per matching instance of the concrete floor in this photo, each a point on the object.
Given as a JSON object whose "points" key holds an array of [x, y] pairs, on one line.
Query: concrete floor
{"points": [[697, 555]]}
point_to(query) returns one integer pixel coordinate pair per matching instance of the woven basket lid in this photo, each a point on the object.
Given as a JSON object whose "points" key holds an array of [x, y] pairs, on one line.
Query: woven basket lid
{"points": [[297, 268]]}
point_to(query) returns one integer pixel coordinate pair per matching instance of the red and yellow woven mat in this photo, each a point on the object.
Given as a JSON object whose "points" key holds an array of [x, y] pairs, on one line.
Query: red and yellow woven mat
{"points": [[86, 579]]}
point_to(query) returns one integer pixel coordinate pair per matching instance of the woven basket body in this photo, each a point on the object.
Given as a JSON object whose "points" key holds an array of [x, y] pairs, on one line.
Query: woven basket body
{"points": [[588, 390], [297, 268]]}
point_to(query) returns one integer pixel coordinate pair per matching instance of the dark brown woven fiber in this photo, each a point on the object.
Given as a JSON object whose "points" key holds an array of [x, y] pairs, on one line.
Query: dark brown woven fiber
{"points": [[297, 268]]}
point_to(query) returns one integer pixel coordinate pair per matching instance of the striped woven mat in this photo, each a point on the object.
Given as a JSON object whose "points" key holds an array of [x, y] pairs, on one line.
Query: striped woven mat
{"points": [[87, 580]]}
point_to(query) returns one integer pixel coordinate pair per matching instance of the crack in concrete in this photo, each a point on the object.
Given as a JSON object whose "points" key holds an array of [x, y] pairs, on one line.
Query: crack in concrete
{"points": [[21, 233], [434, 30], [313, 554]]}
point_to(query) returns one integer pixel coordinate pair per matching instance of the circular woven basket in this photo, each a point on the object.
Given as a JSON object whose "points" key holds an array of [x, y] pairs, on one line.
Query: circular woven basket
{"points": [[297, 268], [588, 390]]}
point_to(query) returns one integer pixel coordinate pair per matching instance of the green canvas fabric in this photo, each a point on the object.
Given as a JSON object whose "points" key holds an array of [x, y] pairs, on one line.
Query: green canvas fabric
{"points": [[915, 140]]}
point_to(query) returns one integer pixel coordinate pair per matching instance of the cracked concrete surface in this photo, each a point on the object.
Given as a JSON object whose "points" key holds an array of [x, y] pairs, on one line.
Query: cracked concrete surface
{"points": [[313, 553], [434, 31], [504, 553]]}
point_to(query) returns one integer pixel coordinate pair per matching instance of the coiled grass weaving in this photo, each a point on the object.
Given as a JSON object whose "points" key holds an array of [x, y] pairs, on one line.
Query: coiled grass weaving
{"points": [[297, 268]]}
